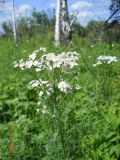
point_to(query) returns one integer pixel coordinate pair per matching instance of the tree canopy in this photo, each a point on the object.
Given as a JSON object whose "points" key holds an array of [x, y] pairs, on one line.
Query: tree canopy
{"points": [[115, 9]]}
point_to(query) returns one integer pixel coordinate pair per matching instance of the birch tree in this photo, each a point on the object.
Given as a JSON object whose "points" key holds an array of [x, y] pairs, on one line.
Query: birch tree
{"points": [[14, 21], [65, 22], [57, 24], [12, 6], [62, 22]]}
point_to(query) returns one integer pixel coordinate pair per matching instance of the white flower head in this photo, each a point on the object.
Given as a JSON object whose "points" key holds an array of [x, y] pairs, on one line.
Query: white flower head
{"points": [[63, 60], [15, 64], [40, 93], [32, 56], [44, 49], [92, 46], [64, 87], [38, 110], [105, 60], [44, 110], [38, 103], [77, 87]]}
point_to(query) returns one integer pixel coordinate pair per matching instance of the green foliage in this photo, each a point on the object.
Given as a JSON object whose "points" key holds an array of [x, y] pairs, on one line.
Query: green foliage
{"points": [[86, 125], [39, 23]]}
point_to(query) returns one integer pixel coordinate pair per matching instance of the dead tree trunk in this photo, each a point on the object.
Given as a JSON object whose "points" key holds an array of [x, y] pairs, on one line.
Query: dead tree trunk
{"points": [[57, 24], [62, 23], [65, 22], [14, 21]]}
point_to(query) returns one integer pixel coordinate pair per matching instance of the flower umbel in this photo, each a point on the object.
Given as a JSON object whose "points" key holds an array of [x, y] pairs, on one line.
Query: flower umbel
{"points": [[105, 60], [49, 62], [64, 87]]}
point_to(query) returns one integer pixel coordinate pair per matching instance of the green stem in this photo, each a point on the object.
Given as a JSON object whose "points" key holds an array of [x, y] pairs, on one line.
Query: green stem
{"points": [[57, 112]]}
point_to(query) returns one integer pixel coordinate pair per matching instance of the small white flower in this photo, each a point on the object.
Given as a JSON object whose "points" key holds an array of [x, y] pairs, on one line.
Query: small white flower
{"points": [[92, 46], [40, 82], [32, 56], [43, 49], [77, 87], [105, 60], [53, 116], [38, 110], [34, 83], [45, 107], [48, 93], [44, 111], [38, 69], [113, 45], [63, 86], [40, 93], [38, 103], [94, 65], [22, 65], [15, 63], [29, 64]]}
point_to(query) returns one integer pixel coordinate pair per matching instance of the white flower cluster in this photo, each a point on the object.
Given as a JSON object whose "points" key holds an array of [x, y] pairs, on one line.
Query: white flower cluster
{"points": [[44, 110], [48, 61], [105, 60], [64, 87], [40, 83], [65, 59], [31, 62]]}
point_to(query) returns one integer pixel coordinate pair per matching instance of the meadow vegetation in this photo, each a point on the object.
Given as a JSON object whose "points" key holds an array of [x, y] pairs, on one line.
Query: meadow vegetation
{"points": [[68, 109]]}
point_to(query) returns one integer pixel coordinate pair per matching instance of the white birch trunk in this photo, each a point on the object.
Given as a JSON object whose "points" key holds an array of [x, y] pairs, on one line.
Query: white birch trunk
{"points": [[57, 25], [65, 22], [14, 21]]}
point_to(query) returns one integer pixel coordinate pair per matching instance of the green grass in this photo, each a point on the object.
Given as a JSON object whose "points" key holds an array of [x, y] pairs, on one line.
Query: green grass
{"points": [[86, 124]]}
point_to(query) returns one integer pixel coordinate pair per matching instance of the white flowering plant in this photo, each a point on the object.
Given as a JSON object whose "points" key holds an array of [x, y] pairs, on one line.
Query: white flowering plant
{"points": [[105, 70], [105, 60], [52, 75], [43, 62]]}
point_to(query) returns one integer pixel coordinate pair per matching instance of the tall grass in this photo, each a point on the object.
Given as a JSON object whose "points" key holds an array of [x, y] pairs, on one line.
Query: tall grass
{"points": [[79, 125]]}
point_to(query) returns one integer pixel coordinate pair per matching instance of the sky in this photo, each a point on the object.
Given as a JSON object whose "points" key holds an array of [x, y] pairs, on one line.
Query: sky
{"points": [[85, 10]]}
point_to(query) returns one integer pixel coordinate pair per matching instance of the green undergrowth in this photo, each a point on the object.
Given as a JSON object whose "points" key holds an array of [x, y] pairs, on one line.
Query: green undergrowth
{"points": [[86, 125]]}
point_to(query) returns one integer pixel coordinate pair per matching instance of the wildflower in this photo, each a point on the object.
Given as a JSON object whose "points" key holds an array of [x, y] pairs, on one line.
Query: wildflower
{"points": [[43, 49], [28, 64], [92, 46], [21, 64], [40, 82], [15, 64], [105, 60], [64, 87], [53, 116], [38, 103], [77, 87], [38, 110], [40, 93], [35, 83], [113, 45], [63, 60], [48, 93], [49, 61], [44, 110], [32, 56]]}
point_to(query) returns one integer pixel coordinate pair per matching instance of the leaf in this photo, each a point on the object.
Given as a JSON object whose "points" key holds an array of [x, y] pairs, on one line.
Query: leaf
{"points": [[115, 149]]}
